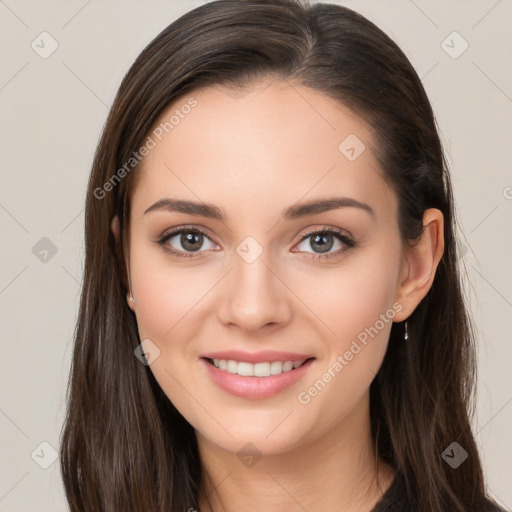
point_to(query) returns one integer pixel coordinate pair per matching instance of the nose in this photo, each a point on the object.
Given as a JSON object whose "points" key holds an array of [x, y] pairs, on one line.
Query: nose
{"points": [[254, 296]]}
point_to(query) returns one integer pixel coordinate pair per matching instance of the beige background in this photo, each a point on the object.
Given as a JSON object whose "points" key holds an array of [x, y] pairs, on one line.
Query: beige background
{"points": [[52, 112]]}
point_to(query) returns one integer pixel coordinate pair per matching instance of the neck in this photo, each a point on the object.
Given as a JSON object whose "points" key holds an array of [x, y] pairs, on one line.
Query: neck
{"points": [[337, 471]]}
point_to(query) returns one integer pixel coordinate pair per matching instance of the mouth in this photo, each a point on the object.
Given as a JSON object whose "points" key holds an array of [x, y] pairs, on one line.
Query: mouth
{"points": [[263, 369], [259, 380]]}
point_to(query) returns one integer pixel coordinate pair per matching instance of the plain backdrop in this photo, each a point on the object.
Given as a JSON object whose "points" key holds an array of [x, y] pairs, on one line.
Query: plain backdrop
{"points": [[53, 107]]}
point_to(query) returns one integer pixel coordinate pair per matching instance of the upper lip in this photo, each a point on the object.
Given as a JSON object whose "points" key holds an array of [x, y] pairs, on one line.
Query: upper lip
{"points": [[257, 357]]}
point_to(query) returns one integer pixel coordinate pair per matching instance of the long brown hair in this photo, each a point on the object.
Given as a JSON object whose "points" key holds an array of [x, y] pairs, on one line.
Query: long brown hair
{"points": [[124, 446]]}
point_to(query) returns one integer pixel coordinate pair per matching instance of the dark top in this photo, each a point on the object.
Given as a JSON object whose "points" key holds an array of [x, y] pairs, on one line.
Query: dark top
{"points": [[395, 500]]}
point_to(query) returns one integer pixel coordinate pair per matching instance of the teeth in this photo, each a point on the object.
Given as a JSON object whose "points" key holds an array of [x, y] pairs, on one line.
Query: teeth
{"points": [[257, 369], [287, 366], [276, 367]]}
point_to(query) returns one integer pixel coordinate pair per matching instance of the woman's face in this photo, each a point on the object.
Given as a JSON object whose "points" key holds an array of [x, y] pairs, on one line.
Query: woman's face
{"points": [[258, 280]]}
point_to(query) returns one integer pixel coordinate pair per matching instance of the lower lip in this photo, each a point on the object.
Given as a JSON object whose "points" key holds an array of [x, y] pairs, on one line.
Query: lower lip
{"points": [[255, 387]]}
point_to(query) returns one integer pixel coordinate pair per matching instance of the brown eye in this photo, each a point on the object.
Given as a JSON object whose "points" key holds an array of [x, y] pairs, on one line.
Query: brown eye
{"points": [[191, 241], [323, 241], [183, 241]]}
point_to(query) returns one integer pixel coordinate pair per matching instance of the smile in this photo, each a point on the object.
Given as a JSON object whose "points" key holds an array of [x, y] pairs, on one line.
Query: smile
{"points": [[264, 369], [257, 380]]}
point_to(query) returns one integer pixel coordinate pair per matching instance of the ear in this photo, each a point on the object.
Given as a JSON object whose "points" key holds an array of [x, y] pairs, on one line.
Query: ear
{"points": [[115, 230], [115, 227], [420, 263]]}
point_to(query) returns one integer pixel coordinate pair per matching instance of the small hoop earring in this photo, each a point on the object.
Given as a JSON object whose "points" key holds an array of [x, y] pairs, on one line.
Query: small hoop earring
{"points": [[406, 333]]}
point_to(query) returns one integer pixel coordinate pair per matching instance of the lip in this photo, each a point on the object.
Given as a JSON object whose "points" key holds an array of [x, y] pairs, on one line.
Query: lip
{"points": [[265, 356], [256, 387]]}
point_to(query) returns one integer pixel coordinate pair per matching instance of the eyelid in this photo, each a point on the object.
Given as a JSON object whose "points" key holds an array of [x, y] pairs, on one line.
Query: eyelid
{"points": [[189, 227], [328, 229], [347, 240], [171, 233], [341, 235], [205, 231]]}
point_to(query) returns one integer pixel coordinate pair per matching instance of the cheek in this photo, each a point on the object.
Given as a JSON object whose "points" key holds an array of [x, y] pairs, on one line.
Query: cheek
{"points": [[351, 296], [168, 304], [166, 295], [170, 310], [355, 306]]}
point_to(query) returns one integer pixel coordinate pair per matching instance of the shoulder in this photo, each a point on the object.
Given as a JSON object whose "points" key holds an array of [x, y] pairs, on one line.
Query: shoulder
{"points": [[395, 500], [490, 506]]}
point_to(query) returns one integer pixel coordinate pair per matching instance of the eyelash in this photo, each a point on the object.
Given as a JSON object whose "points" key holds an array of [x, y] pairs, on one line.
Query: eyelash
{"points": [[338, 234]]}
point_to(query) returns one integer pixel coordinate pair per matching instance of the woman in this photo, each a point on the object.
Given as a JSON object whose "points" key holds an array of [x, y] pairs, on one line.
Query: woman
{"points": [[271, 315]]}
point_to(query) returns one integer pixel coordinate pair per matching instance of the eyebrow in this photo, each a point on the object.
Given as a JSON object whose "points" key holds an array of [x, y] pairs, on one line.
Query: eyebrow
{"points": [[291, 213]]}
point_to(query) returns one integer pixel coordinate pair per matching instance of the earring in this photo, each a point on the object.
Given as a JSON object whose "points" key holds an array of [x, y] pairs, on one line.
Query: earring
{"points": [[406, 334], [132, 300]]}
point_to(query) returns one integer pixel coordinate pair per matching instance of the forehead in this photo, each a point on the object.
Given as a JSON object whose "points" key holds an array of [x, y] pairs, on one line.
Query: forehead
{"points": [[275, 143]]}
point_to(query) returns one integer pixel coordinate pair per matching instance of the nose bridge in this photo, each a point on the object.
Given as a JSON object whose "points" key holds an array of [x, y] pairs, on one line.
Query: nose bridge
{"points": [[254, 296]]}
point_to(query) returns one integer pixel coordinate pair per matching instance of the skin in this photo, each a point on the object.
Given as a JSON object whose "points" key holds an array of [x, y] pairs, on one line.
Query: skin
{"points": [[254, 153]]}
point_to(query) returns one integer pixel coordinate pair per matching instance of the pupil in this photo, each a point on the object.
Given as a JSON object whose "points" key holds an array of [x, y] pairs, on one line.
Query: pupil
{"points": [[323, 242], [188, 240]]}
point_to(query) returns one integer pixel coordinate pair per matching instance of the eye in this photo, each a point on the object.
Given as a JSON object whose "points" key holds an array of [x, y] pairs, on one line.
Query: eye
{"points": [[183, 242], [322, 240], [187, 240]]}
